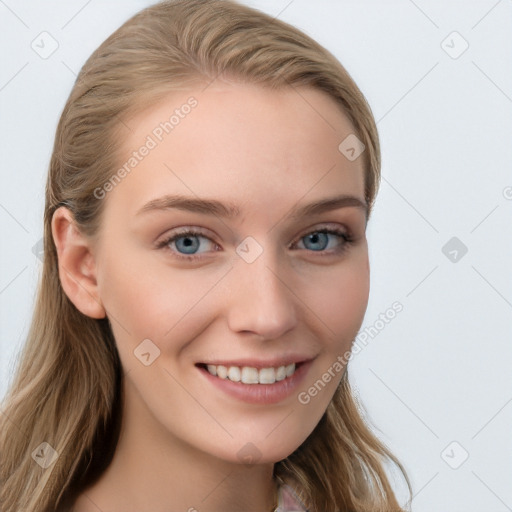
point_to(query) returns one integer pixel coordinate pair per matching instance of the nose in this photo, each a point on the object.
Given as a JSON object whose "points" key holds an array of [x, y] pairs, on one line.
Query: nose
{"points": [[260, 301]]}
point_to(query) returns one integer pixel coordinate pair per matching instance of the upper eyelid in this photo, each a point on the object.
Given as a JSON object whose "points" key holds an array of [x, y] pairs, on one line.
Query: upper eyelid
{"points": [[183, 230]]}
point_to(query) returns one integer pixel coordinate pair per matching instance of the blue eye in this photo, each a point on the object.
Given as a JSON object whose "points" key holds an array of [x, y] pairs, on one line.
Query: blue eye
{"points": [[319, 238], [188, 242]]}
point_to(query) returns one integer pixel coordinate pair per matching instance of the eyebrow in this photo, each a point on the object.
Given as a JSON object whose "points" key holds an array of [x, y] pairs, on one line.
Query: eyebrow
{"points": [[230, 210]]}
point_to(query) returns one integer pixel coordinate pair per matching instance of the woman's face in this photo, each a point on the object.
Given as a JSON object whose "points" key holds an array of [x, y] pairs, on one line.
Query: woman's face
{"points": [[255, 291]]}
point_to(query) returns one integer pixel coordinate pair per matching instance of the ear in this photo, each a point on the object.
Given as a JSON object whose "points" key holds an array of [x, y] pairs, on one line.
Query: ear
{"points": [[77, 269]]}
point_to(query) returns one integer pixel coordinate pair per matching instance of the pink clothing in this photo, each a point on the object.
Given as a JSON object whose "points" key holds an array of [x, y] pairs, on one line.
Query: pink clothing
{"points": [[288, 500]]}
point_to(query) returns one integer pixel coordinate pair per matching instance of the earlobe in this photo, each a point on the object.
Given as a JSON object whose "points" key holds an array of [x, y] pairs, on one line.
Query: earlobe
{"points": [[77, 269]]}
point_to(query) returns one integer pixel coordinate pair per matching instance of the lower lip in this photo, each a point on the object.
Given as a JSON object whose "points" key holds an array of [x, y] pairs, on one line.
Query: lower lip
{"points": [[260, 393]]}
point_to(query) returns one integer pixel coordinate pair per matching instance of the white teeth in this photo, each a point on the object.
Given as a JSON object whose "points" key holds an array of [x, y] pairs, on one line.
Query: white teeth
{"points": [[281, 373], [290, 370], [267, 376], [234, 373], [250, 375], [222, 372]]}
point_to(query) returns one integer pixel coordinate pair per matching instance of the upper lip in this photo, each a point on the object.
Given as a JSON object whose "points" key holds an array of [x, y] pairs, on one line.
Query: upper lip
{"points": [[261, 363]]}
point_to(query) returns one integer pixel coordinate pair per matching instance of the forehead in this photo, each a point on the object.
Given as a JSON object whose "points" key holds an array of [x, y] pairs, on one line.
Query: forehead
{"points": [[238, 141]]}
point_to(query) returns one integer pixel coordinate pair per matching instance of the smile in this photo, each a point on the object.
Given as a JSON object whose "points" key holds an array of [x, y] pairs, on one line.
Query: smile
{"points": [[251, 375], [263, 385]]}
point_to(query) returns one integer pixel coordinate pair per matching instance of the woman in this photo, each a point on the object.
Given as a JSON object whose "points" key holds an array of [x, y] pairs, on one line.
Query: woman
{"points": [[205, 274]]}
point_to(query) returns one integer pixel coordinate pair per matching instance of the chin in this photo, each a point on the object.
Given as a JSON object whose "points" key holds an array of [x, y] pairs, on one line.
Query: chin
{"points": [[261, 452]]}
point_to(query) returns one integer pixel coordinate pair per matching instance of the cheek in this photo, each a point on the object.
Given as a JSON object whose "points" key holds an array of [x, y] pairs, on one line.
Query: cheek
{"points": [[338, 299], [132, 297], [339, 304], [350, 300], [152, 300]]}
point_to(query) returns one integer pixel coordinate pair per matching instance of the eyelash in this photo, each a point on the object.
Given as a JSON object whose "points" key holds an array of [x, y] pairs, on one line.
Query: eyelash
{"points": [[347, 238]]}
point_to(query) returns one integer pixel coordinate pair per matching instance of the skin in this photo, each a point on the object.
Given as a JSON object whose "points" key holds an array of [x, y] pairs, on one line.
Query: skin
{"points": [[265, 151]]}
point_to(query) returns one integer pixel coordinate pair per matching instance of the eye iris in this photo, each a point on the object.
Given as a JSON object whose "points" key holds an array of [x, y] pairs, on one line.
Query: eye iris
{"points": [[188, 244], [315, 237]]}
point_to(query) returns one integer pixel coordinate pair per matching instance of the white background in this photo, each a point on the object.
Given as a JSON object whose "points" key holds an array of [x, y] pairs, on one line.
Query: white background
{"points": [[440, 371]]}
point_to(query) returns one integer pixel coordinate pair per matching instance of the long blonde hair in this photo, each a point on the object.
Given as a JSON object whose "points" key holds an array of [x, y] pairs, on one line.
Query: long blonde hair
{"points": [[67, 388]]}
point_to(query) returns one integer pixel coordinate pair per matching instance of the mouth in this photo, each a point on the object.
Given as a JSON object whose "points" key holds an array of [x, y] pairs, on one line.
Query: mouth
{"points": [[256, 382], [250, 374]]}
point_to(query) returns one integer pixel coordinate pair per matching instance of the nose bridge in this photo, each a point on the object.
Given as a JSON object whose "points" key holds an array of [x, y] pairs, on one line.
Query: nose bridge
{"points": [[260, 299]]}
